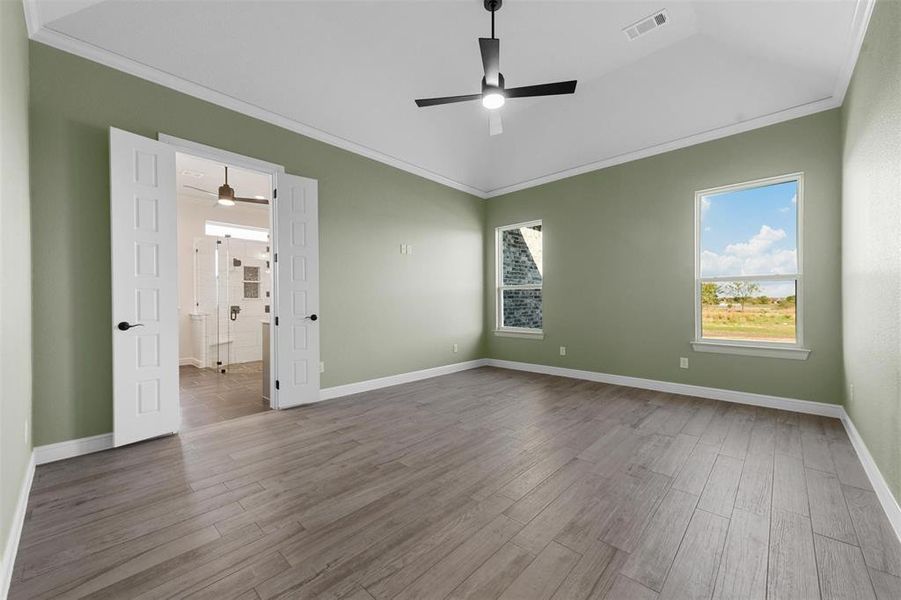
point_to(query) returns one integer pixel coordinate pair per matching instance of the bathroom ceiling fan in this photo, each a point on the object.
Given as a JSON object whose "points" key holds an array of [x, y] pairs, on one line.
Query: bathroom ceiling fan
{"points": [[226, 195], [494, 94]]}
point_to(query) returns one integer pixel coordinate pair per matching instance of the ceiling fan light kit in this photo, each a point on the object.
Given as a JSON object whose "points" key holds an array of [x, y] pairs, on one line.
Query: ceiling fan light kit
{"points": [[494, 93]]}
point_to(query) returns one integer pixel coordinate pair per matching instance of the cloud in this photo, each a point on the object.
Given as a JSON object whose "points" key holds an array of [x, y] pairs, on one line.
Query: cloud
{"points": [[758, 243], [705, 205], [754, 257]]}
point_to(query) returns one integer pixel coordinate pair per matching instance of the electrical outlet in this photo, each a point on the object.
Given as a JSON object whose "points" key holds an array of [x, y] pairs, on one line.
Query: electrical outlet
{"points": [[683, 363], [456, 349], [562, 350], [322, 366]]}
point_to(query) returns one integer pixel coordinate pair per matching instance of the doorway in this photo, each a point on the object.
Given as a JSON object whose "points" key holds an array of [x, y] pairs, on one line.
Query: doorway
{"points": [[224, 290], [145, 255]]}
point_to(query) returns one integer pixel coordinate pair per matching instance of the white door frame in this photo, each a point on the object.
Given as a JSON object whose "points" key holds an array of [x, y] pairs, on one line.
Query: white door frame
{"points": [[261, 166]]}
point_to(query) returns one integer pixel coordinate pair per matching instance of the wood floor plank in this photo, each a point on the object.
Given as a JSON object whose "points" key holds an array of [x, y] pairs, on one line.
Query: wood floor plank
{"points": [[495, 575], [829, 514], [651, 560], [719, 494], [477, 484], [593, 575], [790, 485], [694, 473], [843, 573], [693, 573], [540, 579], [792, 566], [886, 586], [623, 588], [743, 570], [453, 569], [880, 546], [672, 460]]}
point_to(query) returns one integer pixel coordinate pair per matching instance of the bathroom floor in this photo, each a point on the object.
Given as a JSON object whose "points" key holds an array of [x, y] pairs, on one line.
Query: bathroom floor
{"points": [[210, 397]]}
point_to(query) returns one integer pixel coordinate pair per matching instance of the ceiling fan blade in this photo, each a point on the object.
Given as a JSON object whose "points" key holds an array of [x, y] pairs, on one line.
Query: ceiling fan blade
{"points": [[491, 59], [201, 190], [495, 126], [252, 200], [544, 89], [446, 100]]}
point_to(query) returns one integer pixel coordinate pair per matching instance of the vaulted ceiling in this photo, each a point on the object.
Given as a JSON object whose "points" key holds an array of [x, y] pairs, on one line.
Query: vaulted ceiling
{"points": [[347, 72]]}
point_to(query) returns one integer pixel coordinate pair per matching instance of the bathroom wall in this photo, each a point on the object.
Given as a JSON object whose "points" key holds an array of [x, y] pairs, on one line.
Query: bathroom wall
{"points": [[193, 213]]}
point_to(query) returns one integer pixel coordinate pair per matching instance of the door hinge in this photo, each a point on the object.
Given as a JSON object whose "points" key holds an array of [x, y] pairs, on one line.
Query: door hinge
{"points": [[276, 321], [275, 194], [275, 257], [276, 384]]}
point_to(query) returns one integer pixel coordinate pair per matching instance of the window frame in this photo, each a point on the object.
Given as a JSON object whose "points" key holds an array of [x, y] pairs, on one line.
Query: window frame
{"points": [[792, 350], [500, 329]]}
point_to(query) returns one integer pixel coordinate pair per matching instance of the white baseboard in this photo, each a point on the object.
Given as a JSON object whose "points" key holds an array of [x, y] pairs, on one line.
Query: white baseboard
{"points": [[790, 404], [880, 486], [190, 362], [382, 382], [62, 450], [15, 530]]}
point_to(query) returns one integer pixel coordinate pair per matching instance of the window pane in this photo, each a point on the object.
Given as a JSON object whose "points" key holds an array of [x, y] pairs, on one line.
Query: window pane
{"points": [[750, 232], [760, 311], [522, 256], [522, 308]]}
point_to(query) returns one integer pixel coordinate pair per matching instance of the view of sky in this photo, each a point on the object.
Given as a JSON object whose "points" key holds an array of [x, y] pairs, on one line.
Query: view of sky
{"points": [[751, 232]]}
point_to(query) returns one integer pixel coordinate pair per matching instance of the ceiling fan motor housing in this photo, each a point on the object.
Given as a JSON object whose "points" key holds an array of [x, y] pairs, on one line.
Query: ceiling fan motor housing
{"points": [[493, 5], [499, 88]]}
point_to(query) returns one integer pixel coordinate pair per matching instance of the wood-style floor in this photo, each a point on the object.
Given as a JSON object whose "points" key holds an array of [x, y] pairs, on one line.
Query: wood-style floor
{"points": [[208, 396], [483, 484]]}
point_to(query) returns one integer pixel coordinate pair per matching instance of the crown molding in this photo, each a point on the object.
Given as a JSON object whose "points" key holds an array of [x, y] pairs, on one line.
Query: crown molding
{"points": [[39, 32], [66, 43]]}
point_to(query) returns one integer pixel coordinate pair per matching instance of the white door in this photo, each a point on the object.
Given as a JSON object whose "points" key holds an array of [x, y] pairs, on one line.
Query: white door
{"points": [[297, 288], [145, 320]]}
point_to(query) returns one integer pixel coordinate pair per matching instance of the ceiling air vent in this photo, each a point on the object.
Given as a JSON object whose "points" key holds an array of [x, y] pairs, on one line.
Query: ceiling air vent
{"points": [[646, 25]]}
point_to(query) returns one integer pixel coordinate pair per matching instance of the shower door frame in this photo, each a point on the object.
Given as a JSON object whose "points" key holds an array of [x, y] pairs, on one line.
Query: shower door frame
{"points": [[260, 166]]}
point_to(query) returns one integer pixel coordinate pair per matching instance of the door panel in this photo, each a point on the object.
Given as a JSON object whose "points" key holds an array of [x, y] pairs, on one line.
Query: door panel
{"points": [[297, 280], [144, 276]]}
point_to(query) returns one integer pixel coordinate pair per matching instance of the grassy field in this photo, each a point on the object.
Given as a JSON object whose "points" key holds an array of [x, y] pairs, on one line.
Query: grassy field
{"points": [[764, 322]]}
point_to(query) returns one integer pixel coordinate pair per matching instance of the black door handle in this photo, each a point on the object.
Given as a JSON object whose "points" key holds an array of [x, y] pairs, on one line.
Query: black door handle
{"points": [[312, 317], [125, 325]]}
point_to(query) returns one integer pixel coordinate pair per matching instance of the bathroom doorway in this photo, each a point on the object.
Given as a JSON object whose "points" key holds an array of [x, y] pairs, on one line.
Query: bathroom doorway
{"points": [[225, 290]]}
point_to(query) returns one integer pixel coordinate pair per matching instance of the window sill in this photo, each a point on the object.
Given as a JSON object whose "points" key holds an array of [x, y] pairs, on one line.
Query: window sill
{"points": [[532, 335], [790, 352]]}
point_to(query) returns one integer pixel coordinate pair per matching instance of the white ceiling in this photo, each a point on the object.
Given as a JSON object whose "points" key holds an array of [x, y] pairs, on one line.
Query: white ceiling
{"points": [[347, 72]]}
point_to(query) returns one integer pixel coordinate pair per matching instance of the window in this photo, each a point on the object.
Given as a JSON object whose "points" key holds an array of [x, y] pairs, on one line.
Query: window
{"points": [[519, 279], [241, 232], [748, 268]]}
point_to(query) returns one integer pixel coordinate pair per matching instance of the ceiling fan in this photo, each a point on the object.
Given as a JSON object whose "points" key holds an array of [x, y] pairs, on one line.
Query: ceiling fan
{"points": [[494, 94], [226, 195]]}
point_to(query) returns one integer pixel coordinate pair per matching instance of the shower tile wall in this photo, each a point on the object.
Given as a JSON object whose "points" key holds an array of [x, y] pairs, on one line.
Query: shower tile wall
{"points": [[238, 341]]}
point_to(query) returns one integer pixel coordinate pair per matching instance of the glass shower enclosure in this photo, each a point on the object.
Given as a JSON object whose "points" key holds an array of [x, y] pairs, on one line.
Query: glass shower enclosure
{"points": [[232, 291]]}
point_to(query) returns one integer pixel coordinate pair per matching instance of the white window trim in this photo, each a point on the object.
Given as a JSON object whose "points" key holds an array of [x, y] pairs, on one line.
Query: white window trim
{"points": [[787, 350], [500, 330]]}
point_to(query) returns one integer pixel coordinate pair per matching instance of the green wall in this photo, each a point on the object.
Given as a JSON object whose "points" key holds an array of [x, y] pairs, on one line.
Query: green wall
{"points": [[382, 312], [619, 263], [15, 265], [871, 240]]}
